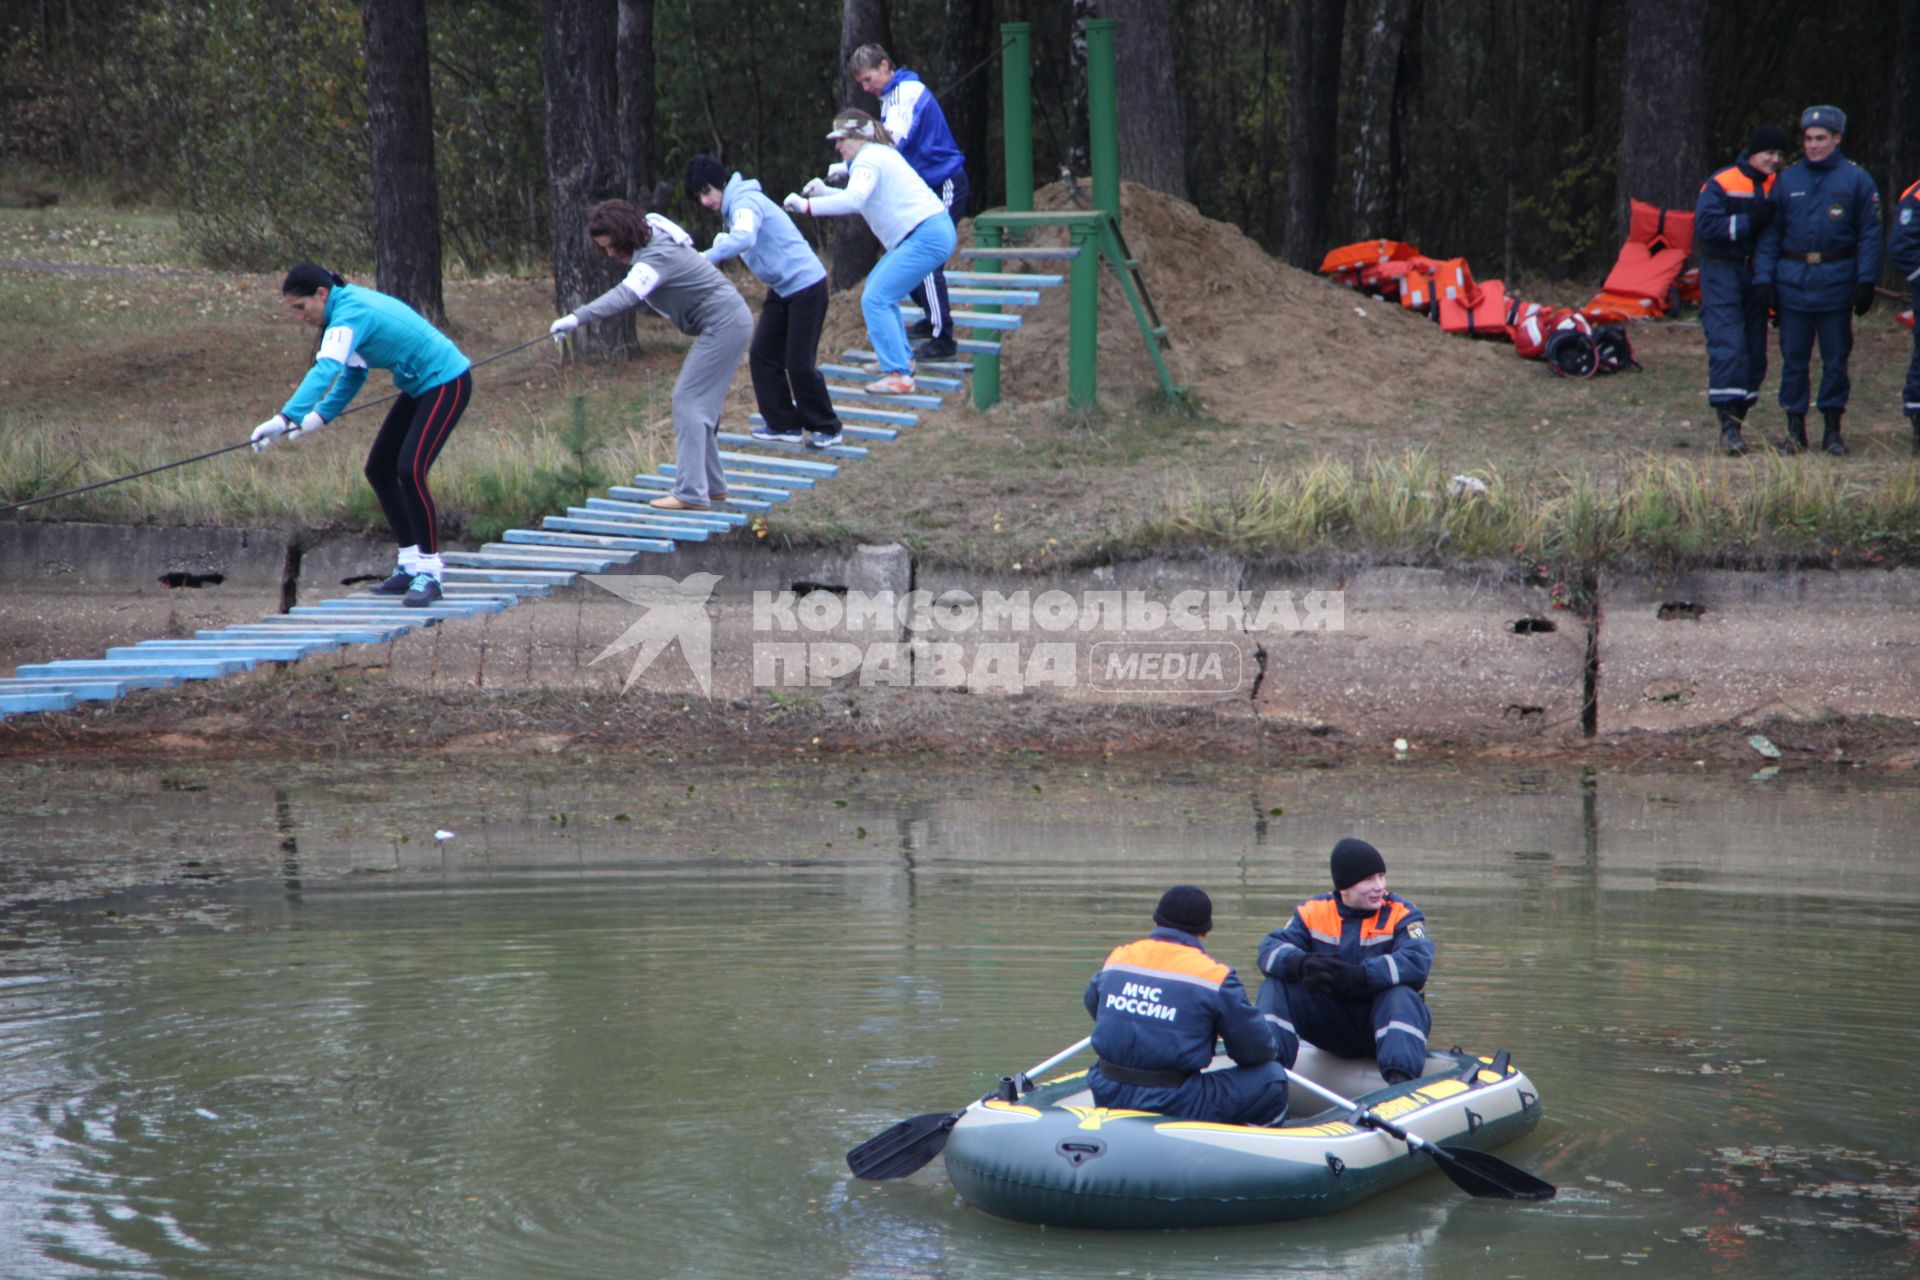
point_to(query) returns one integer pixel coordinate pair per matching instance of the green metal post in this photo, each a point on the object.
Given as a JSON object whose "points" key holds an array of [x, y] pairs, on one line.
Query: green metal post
{"points": [[1083, 319], [1103, 132], [986, 366], [1016, 112]]}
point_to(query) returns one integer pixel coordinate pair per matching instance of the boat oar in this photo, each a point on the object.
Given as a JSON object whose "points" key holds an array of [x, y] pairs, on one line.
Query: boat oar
{"points": [[1474, 1172], [909, 1145]]}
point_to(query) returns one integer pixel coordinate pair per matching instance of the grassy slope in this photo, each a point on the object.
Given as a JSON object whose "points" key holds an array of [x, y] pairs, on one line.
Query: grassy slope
{"points": [[104, 374]]}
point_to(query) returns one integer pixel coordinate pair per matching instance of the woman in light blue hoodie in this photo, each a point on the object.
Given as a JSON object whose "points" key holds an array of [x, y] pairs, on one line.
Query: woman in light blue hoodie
{"points": [[784, 359]]}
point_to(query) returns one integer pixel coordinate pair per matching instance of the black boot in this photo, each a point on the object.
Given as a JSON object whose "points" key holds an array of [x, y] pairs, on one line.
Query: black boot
{"points": [[1796, 441], [1830, 440], [1731, 442]]}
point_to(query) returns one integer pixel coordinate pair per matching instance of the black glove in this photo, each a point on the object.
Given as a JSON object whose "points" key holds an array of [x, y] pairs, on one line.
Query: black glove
{"points": [[1290, 966], [1321, 973], [1352, 982], [1862, 299]]}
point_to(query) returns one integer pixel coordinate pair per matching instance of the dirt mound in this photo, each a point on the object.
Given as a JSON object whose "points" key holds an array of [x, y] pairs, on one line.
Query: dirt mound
{"points": [[1254, 340]]}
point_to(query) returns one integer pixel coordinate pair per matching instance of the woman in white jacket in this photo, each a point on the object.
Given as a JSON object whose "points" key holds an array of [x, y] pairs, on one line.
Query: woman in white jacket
{"points": [[910, 221]]}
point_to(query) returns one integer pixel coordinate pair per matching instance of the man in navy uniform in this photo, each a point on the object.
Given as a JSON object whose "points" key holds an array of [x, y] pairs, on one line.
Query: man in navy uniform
{"points": [[1158, 1005], [1346, 971], [1728, 217], [1905, 252], [1818, 259]]}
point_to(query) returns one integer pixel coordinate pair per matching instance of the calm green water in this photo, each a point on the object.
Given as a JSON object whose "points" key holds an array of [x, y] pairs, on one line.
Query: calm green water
{"points": [[628, 1019]]}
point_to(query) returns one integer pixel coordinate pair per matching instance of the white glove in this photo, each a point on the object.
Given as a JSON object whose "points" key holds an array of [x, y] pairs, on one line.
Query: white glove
{"points": [[837, 173], [267, 432], [563, 326], [796, 204], [308, 425], [815, 187]]}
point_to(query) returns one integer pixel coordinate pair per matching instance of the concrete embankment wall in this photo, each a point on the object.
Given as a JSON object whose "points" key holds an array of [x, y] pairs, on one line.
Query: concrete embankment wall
{"points": [[1375, 651]]}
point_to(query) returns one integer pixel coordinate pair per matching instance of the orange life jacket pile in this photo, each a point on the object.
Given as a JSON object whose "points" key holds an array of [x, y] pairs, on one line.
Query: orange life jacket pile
{"points": [[1906, 317], [1648, 279]]}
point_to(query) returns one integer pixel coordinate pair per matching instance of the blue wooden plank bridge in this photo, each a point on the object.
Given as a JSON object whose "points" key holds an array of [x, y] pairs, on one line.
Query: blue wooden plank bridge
{"points": [[606, 535]]}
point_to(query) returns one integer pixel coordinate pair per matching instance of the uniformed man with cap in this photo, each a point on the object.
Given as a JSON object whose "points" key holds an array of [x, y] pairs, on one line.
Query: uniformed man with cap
{"points": [[1905, 252], [1346, 971], [1817, 260], [1728, 217], [1159, 1004]]}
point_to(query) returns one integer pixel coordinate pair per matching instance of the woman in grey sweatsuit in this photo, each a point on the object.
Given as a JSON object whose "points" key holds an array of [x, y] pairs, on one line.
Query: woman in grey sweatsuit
{"points": [[669, 276]]}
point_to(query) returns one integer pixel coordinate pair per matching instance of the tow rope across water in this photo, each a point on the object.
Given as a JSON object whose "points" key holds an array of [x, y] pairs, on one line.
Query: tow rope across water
{"points": [[244, 444]]}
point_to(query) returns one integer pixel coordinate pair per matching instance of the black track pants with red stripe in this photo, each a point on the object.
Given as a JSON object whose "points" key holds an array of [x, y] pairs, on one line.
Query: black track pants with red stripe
{"points": [[410, 439]]}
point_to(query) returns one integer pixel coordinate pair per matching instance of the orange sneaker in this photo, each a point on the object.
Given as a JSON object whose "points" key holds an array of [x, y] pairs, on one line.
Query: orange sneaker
{"points": [[892, 384]]}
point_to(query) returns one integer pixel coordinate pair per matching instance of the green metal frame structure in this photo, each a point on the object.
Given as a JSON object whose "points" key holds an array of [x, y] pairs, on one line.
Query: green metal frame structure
{"points": [[1095, 233]]}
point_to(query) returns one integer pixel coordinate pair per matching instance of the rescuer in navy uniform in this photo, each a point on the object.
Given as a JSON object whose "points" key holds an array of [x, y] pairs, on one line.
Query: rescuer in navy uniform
{"points": [[1905, 252], [1159, 1004], [1818, 258], [1345, 972], [1728, 217]]}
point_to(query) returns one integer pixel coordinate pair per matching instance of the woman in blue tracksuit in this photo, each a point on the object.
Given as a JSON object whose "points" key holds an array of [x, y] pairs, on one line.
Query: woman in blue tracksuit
{"points": [[1905, 252], [361, 330], [1728, 217]]}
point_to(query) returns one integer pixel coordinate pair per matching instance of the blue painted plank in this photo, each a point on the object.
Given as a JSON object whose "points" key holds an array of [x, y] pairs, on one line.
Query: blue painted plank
{"points": [[737, 500], [230, 646], [776, 464], [846, 393], [18, 703], [936, 366], [81, 690], [782, 479], [183, 668], [445, 604], [549, 538], [994, 296], [225, 653], [511, 577], [751, 497], [708, 519], [967, 319], [851, 431], [621, 528], [633, 525], [741, 440], [872, 411], [1029, 279], [551, 561], [342, 633]]}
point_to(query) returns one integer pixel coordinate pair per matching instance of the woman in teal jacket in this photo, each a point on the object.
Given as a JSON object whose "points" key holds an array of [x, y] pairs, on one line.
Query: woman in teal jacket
{"points": [[362, 330]]}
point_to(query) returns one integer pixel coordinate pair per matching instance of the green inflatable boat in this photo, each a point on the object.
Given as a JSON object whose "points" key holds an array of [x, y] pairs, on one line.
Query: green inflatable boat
{"points": [[1055, 1159]]}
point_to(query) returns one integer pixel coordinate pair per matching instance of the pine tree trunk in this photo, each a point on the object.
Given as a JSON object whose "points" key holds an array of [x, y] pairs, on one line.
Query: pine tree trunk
{"points": [[1315, 33], [1663, 110], [854, 248], [406, 200], [1378, 154], [578, 63], [634, 60], [965, 90], [1151, 119]]}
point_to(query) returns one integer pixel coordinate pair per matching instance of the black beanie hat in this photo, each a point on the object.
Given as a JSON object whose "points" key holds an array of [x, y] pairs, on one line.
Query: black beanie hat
{"points": [[1353, 861], [704, 171], [1185, 907], [1767, 137]]}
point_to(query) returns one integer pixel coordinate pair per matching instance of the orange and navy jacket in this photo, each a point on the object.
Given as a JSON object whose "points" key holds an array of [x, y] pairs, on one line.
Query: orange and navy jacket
{"points": [[1391, 943], [1904, 248], [1723, 215], [1158, 1004]]}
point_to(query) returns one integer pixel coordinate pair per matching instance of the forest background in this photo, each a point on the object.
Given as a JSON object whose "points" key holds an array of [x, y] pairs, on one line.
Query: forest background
{"points": [[1510, 133]]}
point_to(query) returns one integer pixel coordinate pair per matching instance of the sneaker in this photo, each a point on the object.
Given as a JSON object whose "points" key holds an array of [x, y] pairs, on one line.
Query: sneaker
{"points": [[671, 503], [424, 590], [767, 433], [920, 330], [822, 440], [941, 348], [892, 384], [396, 585]]}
